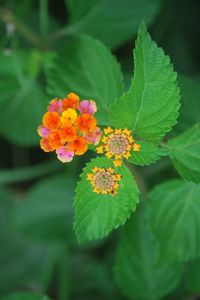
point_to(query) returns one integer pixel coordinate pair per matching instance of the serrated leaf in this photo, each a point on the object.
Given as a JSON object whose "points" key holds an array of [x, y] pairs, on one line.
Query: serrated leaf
{"points": [[46, 211], [148, 154], [137, 271], [174, 209], [96, 215], [190, 108], [24, 296], [88, 68], [112, 22], [185, 153], [150, 108], [22, 100]]}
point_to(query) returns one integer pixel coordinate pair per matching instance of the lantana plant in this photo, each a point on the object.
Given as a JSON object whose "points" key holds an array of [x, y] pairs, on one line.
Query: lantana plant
{"points": [[123, 131]]}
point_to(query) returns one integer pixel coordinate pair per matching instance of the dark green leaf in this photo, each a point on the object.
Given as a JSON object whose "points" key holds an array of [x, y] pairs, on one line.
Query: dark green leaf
{"points": [[185, 153], [113, 22], [87, 68], [137, 271], [22, 101], [46, 211], [174, 209]]}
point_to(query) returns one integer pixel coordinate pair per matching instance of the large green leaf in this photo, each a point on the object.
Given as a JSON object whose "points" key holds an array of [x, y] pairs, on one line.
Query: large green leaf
{"points": [[96, 215], [190, 108], [87, 68], [137, 271], [46, 211], [24, 296], [185, 153], [150, 108], [113, 22], [148, 154], [22, 101], [174, 209]]}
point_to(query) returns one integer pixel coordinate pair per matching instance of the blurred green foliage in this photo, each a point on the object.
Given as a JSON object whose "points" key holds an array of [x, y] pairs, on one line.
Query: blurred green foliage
{"points": [[38, 249]]}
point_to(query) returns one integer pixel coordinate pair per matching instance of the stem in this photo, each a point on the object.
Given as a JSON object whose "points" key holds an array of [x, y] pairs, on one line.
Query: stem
{"points": [[63, 289], [8, 16], [44, 18], [28, 173]]}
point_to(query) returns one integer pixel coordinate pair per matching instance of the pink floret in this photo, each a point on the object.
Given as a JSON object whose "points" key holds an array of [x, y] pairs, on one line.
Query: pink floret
{"points": [[64, 155], [55, 105], [87, 107], [43, 131]]}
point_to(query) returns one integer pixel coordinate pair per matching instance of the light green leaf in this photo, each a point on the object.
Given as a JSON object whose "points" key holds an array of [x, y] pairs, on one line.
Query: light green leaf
{"points": [[87, 68], [190, 108], [137, 271], [24, 296], [22, 101], [174, 209], [150, 108], [46, 211], [185, 153], [113, 22], [96, 215], [148, 154]]}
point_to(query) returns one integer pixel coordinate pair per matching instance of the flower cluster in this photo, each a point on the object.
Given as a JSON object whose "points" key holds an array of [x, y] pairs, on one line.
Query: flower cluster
{"points": [[117, 144], [104, 180], [69, 126]]}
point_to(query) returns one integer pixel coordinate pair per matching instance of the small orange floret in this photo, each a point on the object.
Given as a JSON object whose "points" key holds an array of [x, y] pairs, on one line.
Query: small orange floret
{"points": [[45, 146], [54, 139], [51, 120], [78, 145], [86, 123], [67, 133], [71, 101]]}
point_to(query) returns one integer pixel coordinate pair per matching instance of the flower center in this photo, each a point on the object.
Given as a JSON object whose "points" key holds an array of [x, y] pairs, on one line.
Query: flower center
{"points": [[103, 180], [117, 144]]}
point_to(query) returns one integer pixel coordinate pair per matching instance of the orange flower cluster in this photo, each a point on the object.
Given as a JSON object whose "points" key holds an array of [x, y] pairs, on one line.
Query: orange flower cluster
{"points": [[69, 126]]}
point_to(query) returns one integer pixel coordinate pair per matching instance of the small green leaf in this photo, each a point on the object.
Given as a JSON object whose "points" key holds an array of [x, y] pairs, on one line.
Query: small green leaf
{"points": [[185, 153], [24, 296], [96, 215], [87, 68], [148, 154], [22, 101], [112, 22], [150, 108], [137, 270], [46, 211], [174, 210]]}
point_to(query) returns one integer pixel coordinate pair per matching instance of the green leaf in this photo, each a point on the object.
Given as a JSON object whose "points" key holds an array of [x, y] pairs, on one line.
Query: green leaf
{"points": [[96, 215], [185, 153], [46, 211], [148, 154], [22, 100], [150, 108], [24, 296], [174, 210], [87, 68], [137, 271], [113, 22], [190, 109]]}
